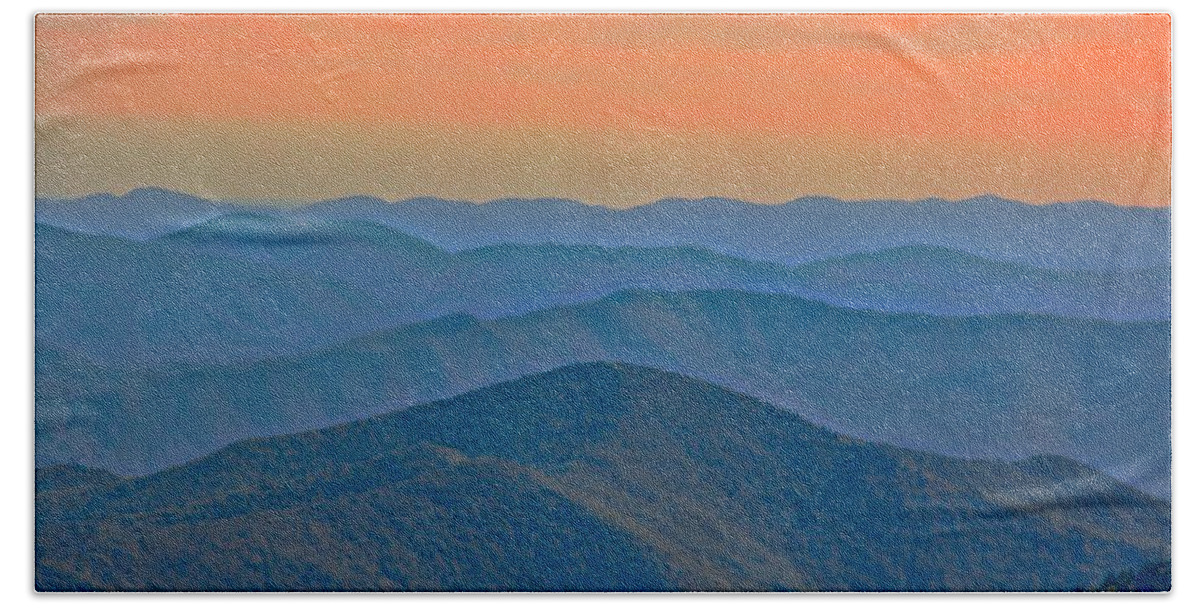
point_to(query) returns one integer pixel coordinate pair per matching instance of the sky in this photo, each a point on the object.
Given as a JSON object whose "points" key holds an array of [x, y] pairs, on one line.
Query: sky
{"points": [[615, 110]]}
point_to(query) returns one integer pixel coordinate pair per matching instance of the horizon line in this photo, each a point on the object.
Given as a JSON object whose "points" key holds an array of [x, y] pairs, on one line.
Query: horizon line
{"points": [[306, 202]]}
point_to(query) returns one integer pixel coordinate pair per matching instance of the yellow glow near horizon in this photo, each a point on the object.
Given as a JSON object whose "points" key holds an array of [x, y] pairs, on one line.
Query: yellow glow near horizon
{"points": [[616, 110]]}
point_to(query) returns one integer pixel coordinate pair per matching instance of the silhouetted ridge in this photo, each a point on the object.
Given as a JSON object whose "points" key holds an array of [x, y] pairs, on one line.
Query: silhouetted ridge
{"points": [[1085, 235]]}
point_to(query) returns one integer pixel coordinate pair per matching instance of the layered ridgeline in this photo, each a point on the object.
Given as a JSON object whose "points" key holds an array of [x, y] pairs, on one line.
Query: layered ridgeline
{"points": [[1005, 386], [595, 477], [1065, 236], [244, 286]]}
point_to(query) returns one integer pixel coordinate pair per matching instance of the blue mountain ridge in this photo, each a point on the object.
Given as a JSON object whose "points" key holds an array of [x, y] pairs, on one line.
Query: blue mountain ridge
{"points": [[251, 285], [1083, 235], [996, 386], [593, 477], [546, 395], [140, 213]]}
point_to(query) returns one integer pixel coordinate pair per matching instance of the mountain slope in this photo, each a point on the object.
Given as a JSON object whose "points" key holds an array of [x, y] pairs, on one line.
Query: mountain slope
{"points": [[1005, 386], [1155, 576], [595, 476]]}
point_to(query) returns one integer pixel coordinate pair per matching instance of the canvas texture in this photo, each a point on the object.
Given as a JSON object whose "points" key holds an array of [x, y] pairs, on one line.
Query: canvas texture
{"points": [[622, 302]]}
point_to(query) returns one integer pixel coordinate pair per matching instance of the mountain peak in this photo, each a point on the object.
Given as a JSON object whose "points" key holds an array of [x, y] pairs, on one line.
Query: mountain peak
{"points": [[701, 487], [559, 415]]}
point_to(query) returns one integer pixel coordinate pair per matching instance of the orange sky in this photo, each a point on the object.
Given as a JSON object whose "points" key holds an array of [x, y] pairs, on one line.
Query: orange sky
{"points": [[1038, 108]]}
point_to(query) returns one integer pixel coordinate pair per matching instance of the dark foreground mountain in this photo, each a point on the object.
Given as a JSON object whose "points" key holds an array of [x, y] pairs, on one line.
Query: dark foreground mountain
{"points": [[591, 477], [1004, 386], [253, 285]]}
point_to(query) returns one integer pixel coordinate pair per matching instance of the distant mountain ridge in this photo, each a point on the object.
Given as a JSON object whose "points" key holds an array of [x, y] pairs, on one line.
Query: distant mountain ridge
{"points": [[1003, 386], [140, 213], [1066, 236], [592, 477], [253, 285]]}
